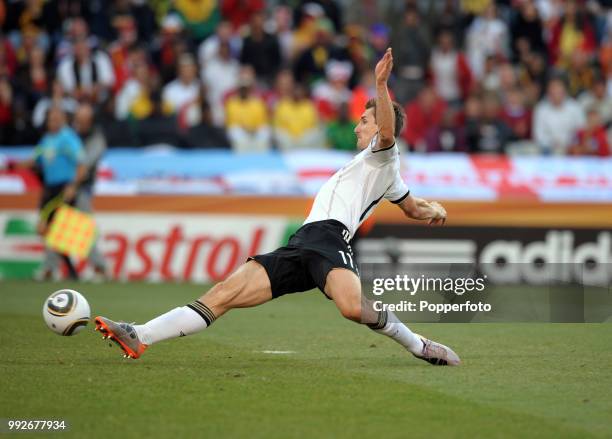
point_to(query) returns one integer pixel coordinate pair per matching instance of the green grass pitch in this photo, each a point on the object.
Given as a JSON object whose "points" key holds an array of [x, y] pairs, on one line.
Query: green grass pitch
{"points": [[517, 380]]}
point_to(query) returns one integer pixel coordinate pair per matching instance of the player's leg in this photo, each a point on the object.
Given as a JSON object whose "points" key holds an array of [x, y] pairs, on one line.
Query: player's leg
{"points": [[344, 287], [248, 286]]}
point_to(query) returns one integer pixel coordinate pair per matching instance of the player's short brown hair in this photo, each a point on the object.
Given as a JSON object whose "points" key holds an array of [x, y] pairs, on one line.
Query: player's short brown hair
{"points": [[400, 116]]}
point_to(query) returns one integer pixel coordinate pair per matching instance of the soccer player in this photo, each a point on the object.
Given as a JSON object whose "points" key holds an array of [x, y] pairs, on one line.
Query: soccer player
{"points": [[319, 253]]}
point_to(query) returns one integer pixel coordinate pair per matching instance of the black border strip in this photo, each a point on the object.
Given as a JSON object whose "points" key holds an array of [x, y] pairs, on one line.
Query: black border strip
{"points": [[384, 149], [204, 317], [401, 199]]}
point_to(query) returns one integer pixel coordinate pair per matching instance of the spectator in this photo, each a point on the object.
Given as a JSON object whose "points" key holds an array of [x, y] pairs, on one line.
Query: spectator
{"points": [[569, 34], [119, 50], [29, 17], [209, 48], [358, 52], [533, 69], [25, 44], [200, 17], [307, 27], [592, 139], [310, 65], [490, 81], [168, 47], [86, 75], [8, 60], [508, 80], [145, 20], [605, 52], [486, 36], [184, 91], [422, 115], [450, 72], [283, 89], [449, 16], [261, 50], [491, 134], [379, 39], [76, 29], [471, 119], [527, 30], [33, 78], [341, 132], [362, 93], [7, 127], [516, 115], [580, 74], [220, 76], [598, 97], [475, 7], [330, 94], [135, 101], [55, 98], [247, 117], [296, 124], [239, 12], [411, 51], [330, 8], [448, 136], [556, 120], [282, 28]]}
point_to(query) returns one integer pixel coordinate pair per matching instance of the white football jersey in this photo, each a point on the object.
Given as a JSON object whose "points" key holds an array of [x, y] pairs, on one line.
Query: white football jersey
{"points": [[353, 192]]}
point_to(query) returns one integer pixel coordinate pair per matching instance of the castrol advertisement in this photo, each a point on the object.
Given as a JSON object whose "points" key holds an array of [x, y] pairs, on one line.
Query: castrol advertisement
{"points": [[151, 247]]}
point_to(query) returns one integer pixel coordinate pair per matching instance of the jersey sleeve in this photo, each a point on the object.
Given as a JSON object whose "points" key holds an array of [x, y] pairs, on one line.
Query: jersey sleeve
{"points": [[398, 190], [380, 155]]}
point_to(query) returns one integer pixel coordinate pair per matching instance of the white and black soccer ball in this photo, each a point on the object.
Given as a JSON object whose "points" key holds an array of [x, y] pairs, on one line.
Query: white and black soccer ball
{"points": [[66, 312]]}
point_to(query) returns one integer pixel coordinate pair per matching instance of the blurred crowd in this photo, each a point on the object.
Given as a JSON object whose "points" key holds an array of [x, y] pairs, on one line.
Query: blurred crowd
{"points": [[482, 76]]}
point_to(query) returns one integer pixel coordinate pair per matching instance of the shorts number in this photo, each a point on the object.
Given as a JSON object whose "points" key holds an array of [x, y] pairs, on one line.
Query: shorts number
{"points": [[346, 236], [344, 256]]}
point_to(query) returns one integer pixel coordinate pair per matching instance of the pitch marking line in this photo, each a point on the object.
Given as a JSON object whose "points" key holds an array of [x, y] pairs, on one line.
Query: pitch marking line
{"points": [[278, 352]]}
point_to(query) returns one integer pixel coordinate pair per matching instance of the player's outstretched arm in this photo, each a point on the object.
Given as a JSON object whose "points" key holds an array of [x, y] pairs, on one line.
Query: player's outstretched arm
{"points": [[420, 209], [385, 117]]}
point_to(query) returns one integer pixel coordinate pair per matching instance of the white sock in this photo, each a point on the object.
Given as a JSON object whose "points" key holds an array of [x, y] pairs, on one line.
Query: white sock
{"points": [[401, 334], [177, 322]]}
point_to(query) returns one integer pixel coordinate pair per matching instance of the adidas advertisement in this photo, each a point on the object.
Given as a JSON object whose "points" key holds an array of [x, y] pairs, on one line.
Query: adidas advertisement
{"points": [[510, 255]]}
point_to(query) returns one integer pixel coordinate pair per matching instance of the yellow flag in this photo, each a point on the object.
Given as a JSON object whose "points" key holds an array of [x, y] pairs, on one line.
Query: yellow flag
{"points": [[72, 232]]}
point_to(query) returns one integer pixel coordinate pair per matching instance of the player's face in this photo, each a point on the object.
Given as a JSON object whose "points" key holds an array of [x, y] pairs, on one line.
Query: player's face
{"points": [[366, 129]]}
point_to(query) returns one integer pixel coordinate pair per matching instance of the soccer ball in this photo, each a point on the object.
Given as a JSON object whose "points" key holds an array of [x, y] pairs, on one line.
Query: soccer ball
{"points": [[66, 312]]}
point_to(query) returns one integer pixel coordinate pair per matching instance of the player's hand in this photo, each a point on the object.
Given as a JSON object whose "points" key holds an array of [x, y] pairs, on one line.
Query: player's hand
{"points": [[439, 214], [384, 67]]}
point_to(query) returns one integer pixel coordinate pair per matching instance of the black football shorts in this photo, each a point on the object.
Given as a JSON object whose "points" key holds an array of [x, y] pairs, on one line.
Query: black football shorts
{"points": [[311, 253]]}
